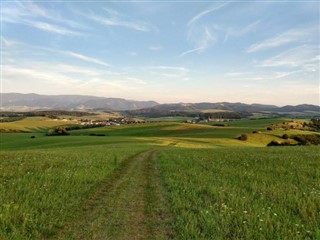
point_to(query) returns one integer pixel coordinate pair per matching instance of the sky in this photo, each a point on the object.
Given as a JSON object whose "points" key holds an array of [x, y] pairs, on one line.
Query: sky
{"points": [[167, 51]]}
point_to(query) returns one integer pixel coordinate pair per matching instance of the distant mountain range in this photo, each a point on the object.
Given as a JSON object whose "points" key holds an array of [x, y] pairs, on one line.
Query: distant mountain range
{"points": [[27, 102], [235, 107]]}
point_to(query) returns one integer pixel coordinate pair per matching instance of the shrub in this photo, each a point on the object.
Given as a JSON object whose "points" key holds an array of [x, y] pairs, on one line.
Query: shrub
{"points": [[59, 131], [96, 134], [243, 137], [285, 136], [33, 137], [256, 132], [276, 143], [313, 139], [269, 128]]}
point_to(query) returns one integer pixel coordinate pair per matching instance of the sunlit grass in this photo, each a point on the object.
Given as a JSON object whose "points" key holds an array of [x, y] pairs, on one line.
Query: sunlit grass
{"points": [[243, 193], [42, 189], [217, 186], [33, 124]]}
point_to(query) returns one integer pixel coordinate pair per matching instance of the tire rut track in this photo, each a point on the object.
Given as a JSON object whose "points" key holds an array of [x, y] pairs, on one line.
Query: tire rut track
{"points": [[128, 205]]}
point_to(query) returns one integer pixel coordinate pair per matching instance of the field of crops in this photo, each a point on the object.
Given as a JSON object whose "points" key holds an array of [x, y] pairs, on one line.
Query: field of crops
{"points": [[158, 180], [41, 189], [33, 124], [243, 193]]}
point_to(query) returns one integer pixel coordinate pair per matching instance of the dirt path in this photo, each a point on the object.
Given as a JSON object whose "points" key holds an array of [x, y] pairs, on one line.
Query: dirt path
{"points": [[129, 205]]}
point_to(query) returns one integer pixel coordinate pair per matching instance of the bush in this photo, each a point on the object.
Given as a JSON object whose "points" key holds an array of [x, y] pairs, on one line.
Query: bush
{"points": [[243, 137], [269, 128], [313, 139], [220, 125], [59, 131], [276, 143], [96, 134], [285, 136], [33, 137], [256, 132]]}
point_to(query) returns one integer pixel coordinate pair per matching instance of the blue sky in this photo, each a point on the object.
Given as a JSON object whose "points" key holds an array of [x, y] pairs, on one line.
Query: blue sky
{"points": [[244, 51]]}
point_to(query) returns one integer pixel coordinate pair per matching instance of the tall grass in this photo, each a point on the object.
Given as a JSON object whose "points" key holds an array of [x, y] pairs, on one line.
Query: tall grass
{"points": [[243, 193], [42, 189]]}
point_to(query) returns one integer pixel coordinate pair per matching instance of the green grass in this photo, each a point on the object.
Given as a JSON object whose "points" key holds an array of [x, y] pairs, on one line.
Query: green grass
{"points": [[253, 124], [42, 189], [167, 130], [208, 183], [243, 193], [169, 119], [22, 141]]}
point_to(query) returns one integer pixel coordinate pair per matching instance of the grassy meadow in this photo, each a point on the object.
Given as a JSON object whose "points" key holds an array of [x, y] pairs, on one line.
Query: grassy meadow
{"points": [[161, 180], [243, 193]]}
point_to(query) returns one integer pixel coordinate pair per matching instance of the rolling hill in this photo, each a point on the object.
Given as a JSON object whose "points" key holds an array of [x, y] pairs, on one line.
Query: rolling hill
{"points": [[18, 102]]}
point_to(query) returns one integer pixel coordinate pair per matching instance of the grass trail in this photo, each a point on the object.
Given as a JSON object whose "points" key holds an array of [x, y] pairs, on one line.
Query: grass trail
{"points": [[129, 205]]}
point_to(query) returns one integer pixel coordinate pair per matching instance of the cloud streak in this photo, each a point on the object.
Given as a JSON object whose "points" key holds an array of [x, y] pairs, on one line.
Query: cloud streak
{"points": [[51, 28], [305, 57], [293, 35], [238, 32], [260, 76], [29, 14], [206, 12], [201, 43], [87, 59], [116, 19], [169, 71]]}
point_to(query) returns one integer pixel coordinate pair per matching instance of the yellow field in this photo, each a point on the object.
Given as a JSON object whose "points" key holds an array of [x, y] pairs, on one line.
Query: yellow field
{"points": [[32, 124]]}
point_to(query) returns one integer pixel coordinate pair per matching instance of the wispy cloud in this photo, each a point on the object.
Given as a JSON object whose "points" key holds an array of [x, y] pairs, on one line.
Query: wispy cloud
{"points": [[13, 47], [260, 76], [305, 57], [87, 59], [201, 42], [114, 18], [30, 14], [57, 75], [211, 9], [155, 48], [169, 71], [51, 28], [203, 35], [137, 80], [293, 35], [8, 42], [133, 54], [191, 51], [240, 31], [34, 75]]}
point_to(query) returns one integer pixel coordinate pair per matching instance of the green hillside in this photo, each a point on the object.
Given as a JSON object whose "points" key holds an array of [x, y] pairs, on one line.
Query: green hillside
{"points": [[152, 180]]}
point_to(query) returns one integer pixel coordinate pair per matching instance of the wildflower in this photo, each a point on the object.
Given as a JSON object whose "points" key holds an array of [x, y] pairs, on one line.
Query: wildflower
{"points": [[245, 212]]}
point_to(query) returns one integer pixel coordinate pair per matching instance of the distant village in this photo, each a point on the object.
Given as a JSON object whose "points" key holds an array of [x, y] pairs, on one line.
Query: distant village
{"points": [[109, 122], [124, 120], [200, 120]]}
